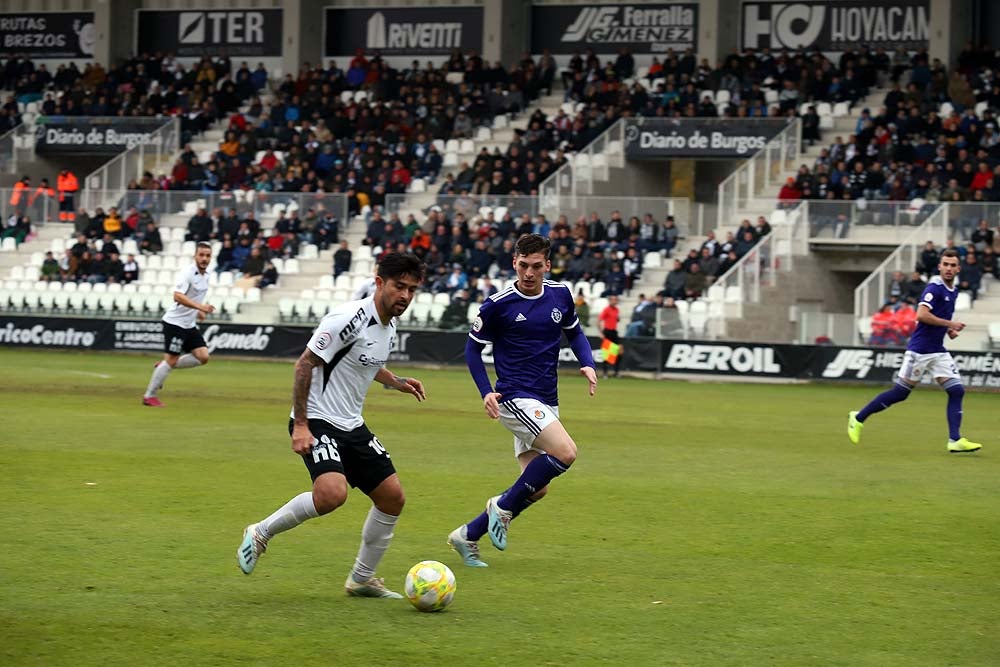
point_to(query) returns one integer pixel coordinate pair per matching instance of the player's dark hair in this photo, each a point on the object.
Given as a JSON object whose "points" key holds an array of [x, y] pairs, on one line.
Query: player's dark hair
{"points": [[202, 244], [399, 264], [949, 252], [529, 244]]}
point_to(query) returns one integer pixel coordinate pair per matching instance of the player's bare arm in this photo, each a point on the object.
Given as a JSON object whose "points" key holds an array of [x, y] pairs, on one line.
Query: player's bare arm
{"points": [[183, 299], [301, 436], [925, 316], [407, 385]]}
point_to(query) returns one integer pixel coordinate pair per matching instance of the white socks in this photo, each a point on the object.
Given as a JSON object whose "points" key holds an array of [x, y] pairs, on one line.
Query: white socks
{"points": [[375, 538], [297, 510], [187, 361], [163, 369], [159, 377]]}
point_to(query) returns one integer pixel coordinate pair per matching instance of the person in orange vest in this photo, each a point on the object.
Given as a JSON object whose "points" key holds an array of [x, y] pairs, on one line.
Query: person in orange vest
{"points": [[19, 197], [883, 326], [67, 185], [44, 190]]}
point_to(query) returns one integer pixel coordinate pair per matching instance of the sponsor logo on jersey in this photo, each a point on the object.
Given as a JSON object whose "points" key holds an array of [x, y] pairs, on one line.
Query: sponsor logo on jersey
{"points": [[352, 327], [323, 340], [520, 318], [477, 323], [539, 414]]}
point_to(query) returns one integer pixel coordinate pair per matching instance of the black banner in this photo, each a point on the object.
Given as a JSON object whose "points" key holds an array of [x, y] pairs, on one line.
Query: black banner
{"points": [[836, 25], [240, 33], [95, 135], [684, 357], [606, 28], [393, 31], [48, 35], [660, 138]]}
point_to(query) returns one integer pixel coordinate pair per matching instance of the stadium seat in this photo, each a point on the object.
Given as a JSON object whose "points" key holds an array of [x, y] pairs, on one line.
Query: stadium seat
{"points": [[286, 308], [291, 266], [326, 282], [597, 288], [450, 160], [114, 288], [417, 186], [308, 293], [153, 262], [424, 297], [652, 260], [467, 147], [963, 301], [442, 298], [733, 294], [84, 288], [231, 305], [309, 251], [452, 146], [60, 301], [8, 244], [419, 313], [841, 109], [343, 281], [363, 252], [864, 328], [993, 331], [715, 293], [76, 302], [100, 288], [581, 286], [121, 302], [437, 310], [483, 134], [303, 309], [363, 267], [16, 273], [226, 278], [698, 317], [500, 122], [472, 312]]}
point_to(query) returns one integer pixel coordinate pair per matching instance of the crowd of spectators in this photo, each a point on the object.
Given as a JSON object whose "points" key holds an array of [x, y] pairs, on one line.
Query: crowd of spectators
{"points": [[150, 84], [691, 276], [459, 251], [366, 131], [935, 138]]}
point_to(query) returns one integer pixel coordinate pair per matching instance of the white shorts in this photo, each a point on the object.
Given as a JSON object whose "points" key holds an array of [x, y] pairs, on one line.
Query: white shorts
{"points": [[936, 364], [525, 418]]}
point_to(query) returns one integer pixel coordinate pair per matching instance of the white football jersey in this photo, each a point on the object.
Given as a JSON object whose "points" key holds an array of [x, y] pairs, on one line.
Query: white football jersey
{"points": [[194, 285], [354, 345]]}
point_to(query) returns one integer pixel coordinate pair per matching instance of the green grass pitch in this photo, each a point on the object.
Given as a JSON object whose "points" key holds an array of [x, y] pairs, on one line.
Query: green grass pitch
{"points": [[704, 524]]}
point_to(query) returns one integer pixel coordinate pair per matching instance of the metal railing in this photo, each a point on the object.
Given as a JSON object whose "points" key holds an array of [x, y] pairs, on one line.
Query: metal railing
{"points": [[181, 205], [8, 151], [114, 176], [873, 290], [590, 164], [686, 214], [758, 268], [762, 170]]}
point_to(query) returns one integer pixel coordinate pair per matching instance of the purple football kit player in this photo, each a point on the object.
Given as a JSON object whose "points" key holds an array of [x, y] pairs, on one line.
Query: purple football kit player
{"points": [[524, 324], [926, 353]]}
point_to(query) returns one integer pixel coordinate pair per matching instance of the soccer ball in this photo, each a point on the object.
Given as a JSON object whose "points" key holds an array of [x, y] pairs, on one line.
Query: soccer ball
{"points": [[430, 585]]}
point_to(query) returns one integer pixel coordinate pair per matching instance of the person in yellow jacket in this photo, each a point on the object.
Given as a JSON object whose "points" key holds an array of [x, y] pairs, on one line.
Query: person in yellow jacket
{"points": [[113, 223], [67, 185], [20, 196]]}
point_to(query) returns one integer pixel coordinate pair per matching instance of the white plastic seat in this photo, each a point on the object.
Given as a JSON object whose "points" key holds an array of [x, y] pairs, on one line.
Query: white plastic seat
{"points": [[963, 301], [452, 146], [467, 147], [326, 282], [286, 308], [442, 298], [450, 159], [652, 260], [291, 266], [733, 294]]}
